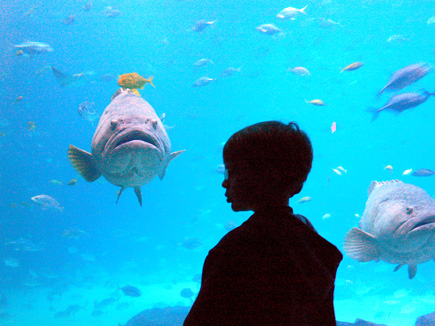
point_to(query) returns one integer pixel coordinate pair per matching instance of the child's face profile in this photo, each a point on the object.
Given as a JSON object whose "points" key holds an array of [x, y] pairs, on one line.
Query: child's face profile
{"points": [[241, 190]]}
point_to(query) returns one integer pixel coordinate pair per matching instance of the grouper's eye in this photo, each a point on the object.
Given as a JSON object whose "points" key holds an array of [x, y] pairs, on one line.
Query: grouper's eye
{"points": [[409, 210]]}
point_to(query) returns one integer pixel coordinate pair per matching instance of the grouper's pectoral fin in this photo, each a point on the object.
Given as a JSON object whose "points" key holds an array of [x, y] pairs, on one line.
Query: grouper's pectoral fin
{"points": [[173, 155], [84, 163], [361, 245], [138, 193]]}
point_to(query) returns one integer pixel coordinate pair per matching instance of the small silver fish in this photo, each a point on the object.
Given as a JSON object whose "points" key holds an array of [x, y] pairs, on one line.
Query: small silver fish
{"points": [[200, 25], [230, 71], [202, 81], [47, 202], [202, 63], [268, 29]]}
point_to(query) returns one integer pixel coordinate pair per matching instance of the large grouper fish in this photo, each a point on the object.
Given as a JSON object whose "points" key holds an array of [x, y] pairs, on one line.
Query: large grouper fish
{"points": [[130, 146], [398, 226]]}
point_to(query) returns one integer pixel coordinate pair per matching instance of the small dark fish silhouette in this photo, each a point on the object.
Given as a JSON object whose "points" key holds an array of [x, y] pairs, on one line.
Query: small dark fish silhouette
{"points": [[406, 76], [423, 173], [187, 293], [131, 291], [402, 102]]}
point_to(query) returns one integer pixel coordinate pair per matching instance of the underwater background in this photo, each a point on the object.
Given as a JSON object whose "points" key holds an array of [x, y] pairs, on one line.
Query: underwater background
{"points": [[68, 266]]}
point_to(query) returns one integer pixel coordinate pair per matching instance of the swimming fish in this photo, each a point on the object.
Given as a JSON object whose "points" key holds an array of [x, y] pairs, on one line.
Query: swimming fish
{"points": [[200, 25], [31, 126], [406, 76], [129, 148], [268, 29], [304, 200], [47, 202], [110, 12], [191, 243], [316, 102], [32, 48], [423, 173], [300, 71], [69, 20], [202, 62], [406, 172], [69, 80], [131, 291], [202, 81], [398, 226], [401, 102], [388, 167], [352, 66], [290, 13], [88, 6], [134, 81], [230, 71]]}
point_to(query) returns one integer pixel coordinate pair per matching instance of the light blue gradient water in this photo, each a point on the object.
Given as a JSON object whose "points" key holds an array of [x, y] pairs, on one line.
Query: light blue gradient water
{"points": [[126, 244]]}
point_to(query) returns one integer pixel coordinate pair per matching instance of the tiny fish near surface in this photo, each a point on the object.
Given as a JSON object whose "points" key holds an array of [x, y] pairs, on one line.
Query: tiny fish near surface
{"points": [[398, 226]]}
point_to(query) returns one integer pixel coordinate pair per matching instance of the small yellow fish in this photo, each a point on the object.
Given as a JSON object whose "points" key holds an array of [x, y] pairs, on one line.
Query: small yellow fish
{"points": [[337, 171], [31, 125], [316, 102], [388, 167], [406, 172], [72, 182], [304, 200], [56, 182], [134, 80], [353, 66]]}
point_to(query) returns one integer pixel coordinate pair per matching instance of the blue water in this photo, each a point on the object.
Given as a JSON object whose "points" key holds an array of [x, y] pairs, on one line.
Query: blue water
{"points": [[126, 244]]}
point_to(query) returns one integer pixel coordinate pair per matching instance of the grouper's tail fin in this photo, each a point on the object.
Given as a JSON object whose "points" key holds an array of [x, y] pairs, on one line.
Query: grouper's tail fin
{"points": [[84, 163]]}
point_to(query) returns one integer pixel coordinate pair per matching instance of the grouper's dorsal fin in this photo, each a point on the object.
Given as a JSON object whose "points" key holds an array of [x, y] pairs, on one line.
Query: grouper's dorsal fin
{"points": [[173, 155], [84, 163], [138, 193], [375, 184]]}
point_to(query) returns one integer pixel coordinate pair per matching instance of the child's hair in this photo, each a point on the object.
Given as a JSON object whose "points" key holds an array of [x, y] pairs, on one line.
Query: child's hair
{"points": [[275, 147]]}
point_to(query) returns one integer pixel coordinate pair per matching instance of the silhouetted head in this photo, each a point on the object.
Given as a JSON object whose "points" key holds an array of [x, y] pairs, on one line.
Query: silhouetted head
{"points": [[266, 164]]}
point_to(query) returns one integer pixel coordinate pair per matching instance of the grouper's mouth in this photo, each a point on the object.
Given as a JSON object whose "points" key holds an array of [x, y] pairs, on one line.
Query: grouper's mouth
{"points": [[425, 223], [133, 136], [416, 224]]}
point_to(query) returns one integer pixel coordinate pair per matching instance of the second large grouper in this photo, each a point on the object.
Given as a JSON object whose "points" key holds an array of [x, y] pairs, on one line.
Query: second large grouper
{"points": [[130, 146], [398, 226]]}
